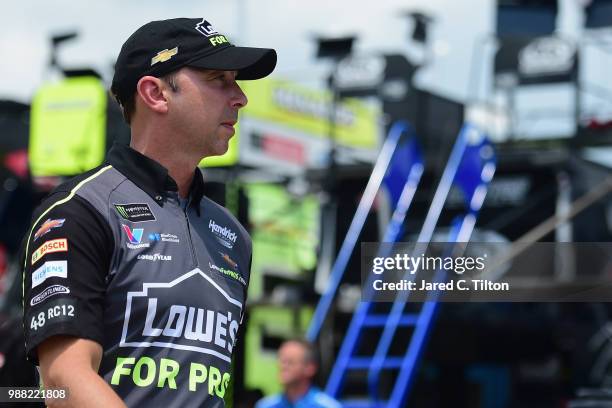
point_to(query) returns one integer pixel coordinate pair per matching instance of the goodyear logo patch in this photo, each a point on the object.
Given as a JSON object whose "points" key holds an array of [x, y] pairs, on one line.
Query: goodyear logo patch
{"points": [[135, 212]]}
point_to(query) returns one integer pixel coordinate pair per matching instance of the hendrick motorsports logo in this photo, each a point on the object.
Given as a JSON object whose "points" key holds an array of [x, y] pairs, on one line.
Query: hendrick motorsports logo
{"points": [[207, 326], [225, 236]]}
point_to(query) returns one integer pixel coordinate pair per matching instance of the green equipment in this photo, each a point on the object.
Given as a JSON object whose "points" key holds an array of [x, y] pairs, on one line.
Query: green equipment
{"points": [[68, 127], [268, 327]]}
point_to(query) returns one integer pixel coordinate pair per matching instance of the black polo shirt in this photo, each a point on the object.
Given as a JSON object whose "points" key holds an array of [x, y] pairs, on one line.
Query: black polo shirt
{"points": [[112, 256]]}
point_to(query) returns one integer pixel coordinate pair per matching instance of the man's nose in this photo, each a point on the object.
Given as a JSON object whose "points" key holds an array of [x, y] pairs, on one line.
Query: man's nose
{"points": [[239, 100]]}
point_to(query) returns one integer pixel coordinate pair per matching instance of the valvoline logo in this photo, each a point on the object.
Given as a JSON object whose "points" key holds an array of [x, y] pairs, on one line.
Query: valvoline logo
{"points": [[134, 235]]}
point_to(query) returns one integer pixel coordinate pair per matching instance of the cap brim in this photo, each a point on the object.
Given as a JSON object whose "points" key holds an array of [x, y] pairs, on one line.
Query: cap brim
{"points": [[251, 63]]}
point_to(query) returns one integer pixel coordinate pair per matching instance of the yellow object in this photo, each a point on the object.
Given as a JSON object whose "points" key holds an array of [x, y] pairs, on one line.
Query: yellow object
{"points": [[68, 127], [293, 107], [164, 55], [285, 234], [308, 110]]}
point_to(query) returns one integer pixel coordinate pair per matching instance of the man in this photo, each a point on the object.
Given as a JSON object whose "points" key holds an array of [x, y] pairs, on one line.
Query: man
{"points": [[298, 366], [134, 282]]}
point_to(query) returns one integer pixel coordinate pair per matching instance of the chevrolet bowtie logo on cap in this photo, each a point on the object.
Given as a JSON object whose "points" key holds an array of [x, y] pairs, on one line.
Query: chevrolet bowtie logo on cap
{"points": [[153, 50], [164, 55]]}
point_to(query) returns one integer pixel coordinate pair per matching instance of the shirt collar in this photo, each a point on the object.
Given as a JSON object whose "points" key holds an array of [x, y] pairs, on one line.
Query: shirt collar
{"points": [[149, 175]]}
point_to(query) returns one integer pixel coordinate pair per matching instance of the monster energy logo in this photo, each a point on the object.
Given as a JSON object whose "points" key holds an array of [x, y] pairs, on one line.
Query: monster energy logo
{"points": [[122, 212], [135, 212]]}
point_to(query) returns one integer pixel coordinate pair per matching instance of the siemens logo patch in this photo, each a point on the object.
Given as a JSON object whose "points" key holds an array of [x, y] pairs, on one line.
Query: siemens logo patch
{"points": [[50, 269], [225, 236], [155, 317], [135, 212]]}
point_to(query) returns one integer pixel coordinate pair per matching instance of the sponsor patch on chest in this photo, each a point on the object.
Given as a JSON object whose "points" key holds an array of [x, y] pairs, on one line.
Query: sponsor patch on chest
{"points": [[224, 235], [135, 212]]}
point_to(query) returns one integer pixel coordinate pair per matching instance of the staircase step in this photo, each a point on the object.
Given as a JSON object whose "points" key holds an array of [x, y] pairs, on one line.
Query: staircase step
{"points": [[362, 403], [360, 363], [379, 320]]}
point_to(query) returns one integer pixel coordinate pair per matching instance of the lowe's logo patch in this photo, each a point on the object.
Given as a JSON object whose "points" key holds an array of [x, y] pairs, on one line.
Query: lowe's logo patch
{"points": [[208, 330], [205, 28], [135, 212]]}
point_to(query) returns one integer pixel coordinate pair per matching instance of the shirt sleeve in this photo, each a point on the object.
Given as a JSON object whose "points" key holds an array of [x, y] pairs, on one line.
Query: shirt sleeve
{"points": [[65, 257]]}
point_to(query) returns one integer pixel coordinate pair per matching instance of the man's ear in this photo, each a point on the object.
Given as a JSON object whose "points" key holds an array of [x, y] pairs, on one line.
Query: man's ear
{"points": [[151, 92]]}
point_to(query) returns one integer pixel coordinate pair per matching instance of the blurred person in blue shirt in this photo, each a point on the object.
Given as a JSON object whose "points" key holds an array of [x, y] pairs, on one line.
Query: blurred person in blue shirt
{"points": [[297, 369]]}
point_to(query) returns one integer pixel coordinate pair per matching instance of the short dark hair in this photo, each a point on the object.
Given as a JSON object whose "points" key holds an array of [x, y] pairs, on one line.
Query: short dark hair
{"points": [[128, 106]]}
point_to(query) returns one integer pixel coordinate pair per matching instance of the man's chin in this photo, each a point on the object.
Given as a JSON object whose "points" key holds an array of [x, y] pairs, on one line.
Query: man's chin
{"points": [[222, 145], [219, 149], [221, 152], [289, 383]]}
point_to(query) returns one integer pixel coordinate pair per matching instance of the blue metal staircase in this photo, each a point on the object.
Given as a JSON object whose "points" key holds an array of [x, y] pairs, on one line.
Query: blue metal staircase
{"points": [[395, 160], [470, 168]]}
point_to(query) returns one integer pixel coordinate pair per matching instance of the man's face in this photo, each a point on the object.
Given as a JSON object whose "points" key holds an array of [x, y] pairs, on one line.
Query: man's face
{"points": [[204, 110], [293, 367]]}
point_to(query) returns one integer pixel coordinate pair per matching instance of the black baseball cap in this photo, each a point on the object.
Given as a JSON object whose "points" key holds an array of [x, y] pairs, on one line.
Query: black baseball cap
{"points": [[161, 47]]}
